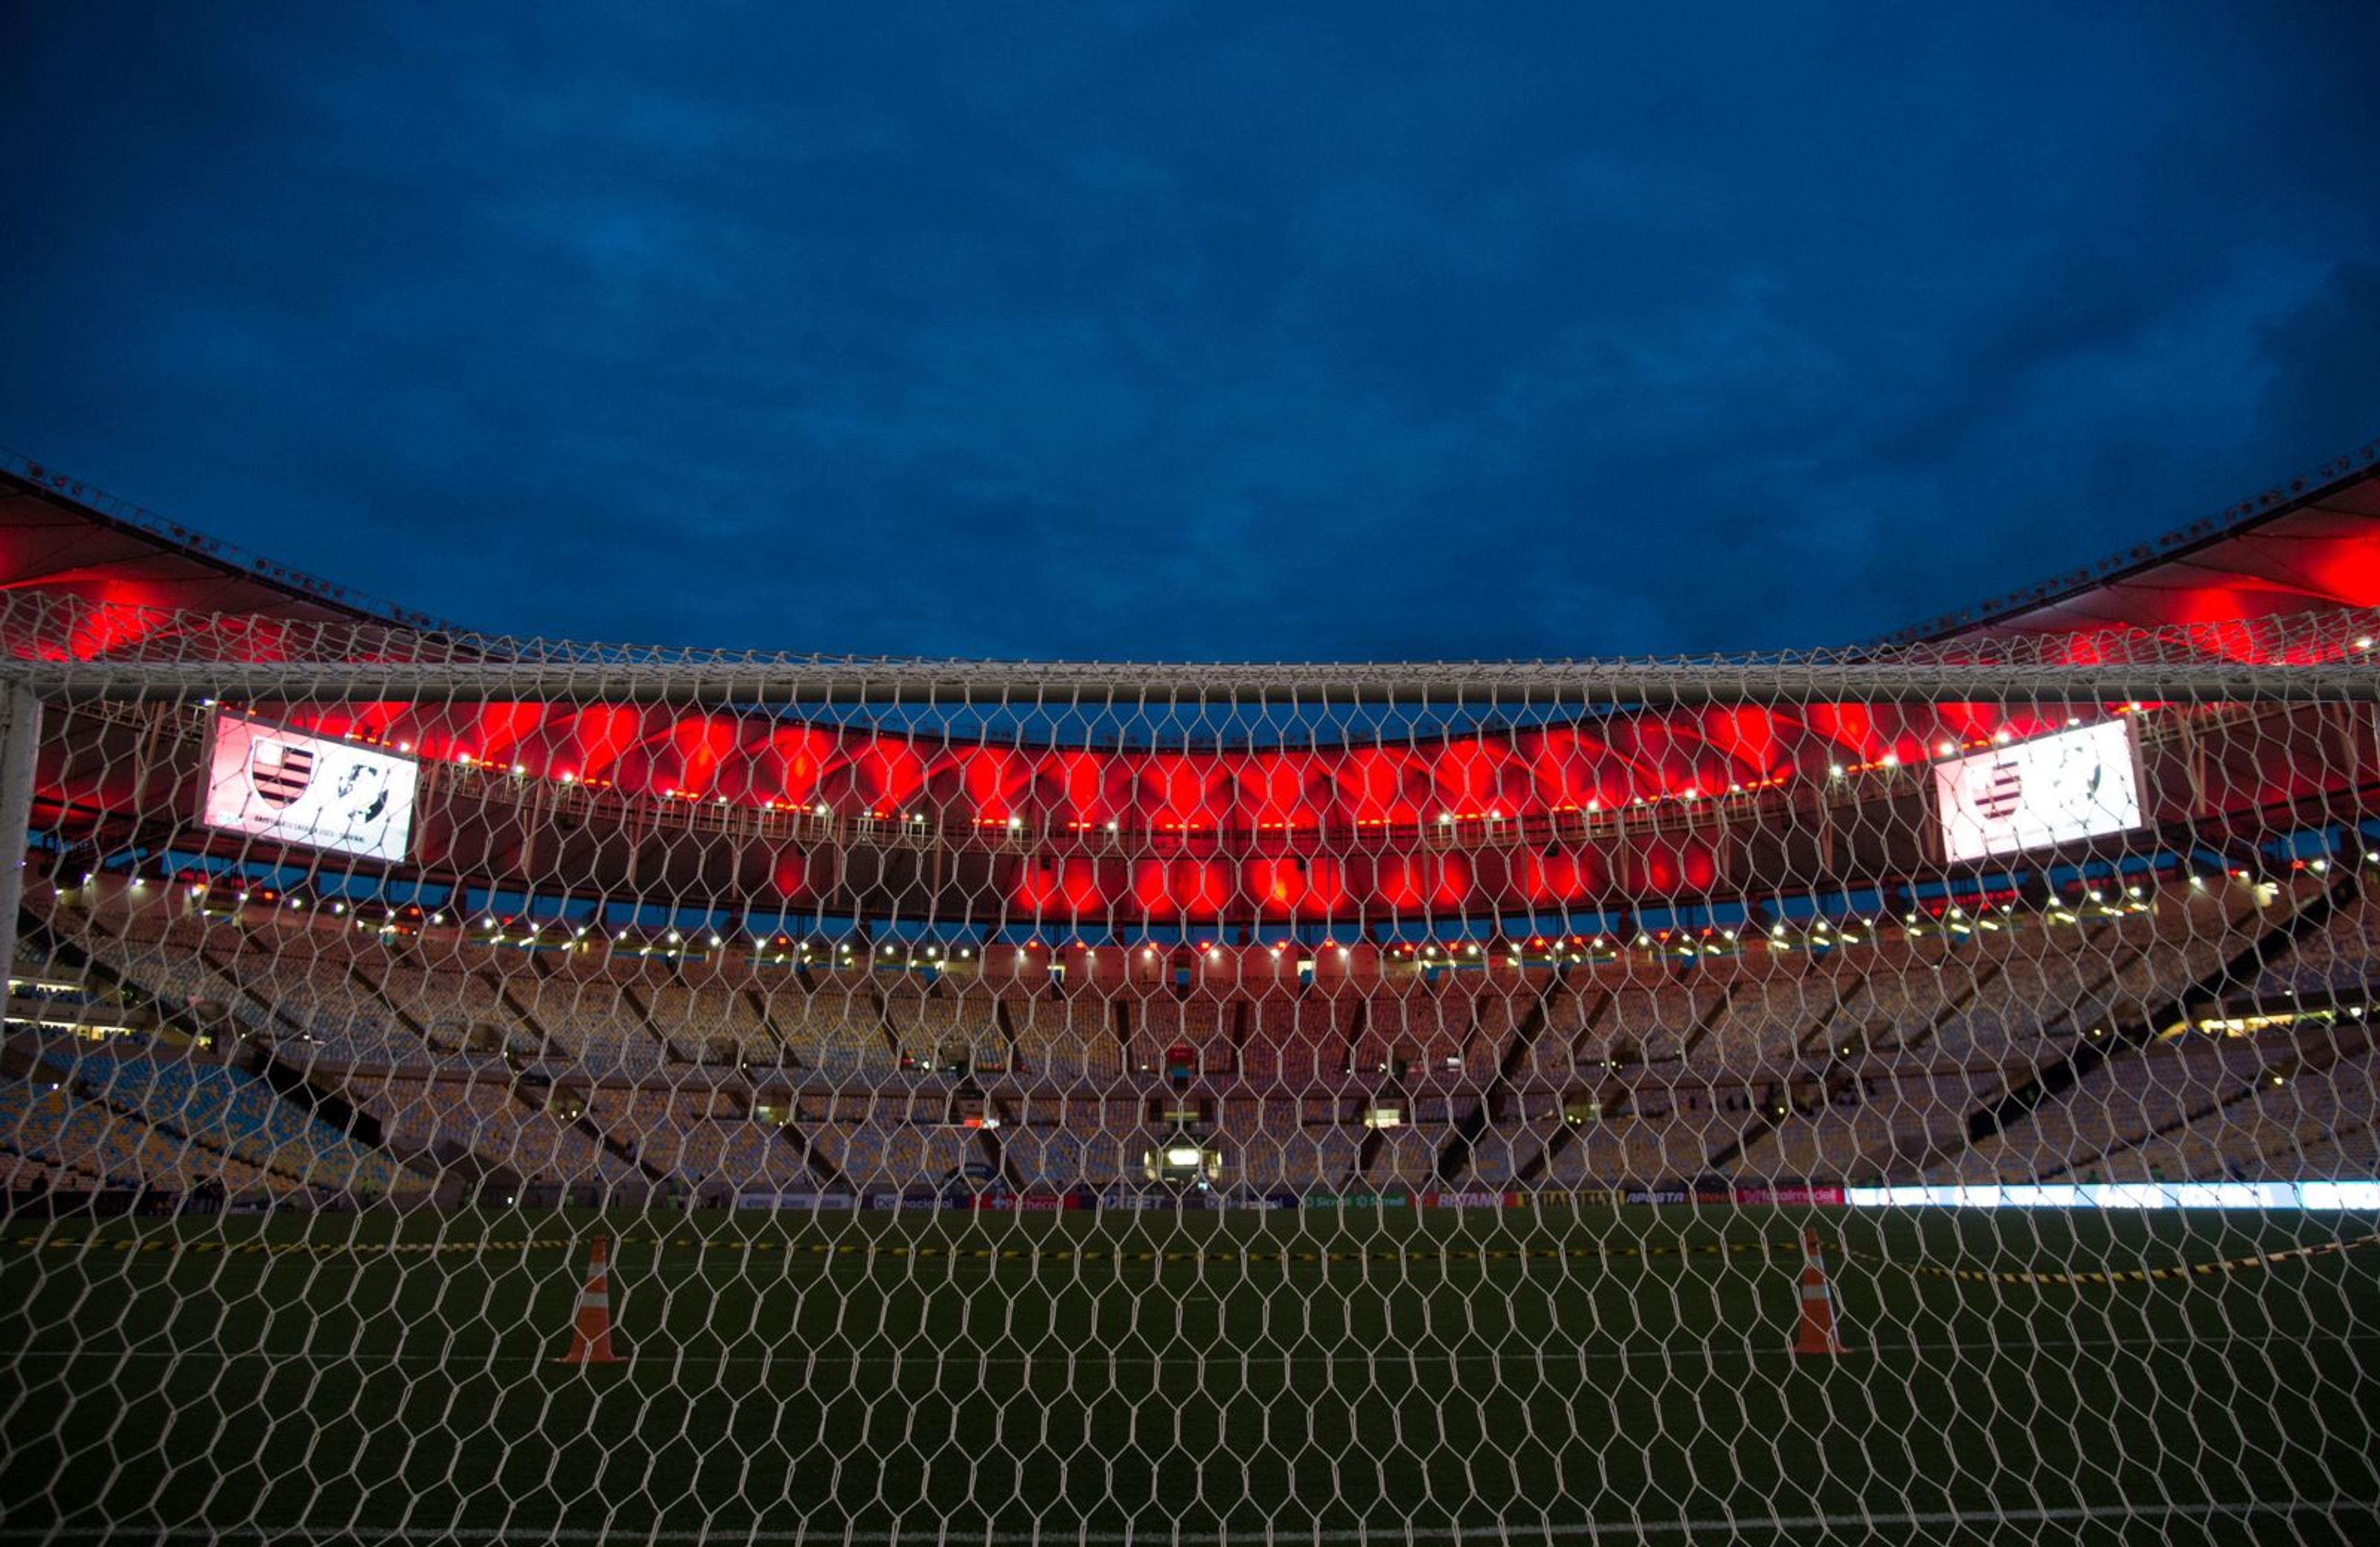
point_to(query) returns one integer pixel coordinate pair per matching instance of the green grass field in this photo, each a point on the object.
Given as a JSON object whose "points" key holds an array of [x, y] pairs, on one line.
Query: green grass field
{"points": [[1570, 1375]]}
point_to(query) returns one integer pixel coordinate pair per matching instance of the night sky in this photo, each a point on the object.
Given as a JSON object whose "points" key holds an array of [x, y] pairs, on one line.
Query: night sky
{"points": [[1216, 331]]}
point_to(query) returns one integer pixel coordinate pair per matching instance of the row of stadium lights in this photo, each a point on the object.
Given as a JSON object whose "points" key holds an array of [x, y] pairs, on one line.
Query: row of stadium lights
{"points": [[2198, 881], [1684, 943]]}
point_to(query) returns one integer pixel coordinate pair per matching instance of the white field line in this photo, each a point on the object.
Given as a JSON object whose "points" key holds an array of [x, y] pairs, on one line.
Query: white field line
{"points": [[1161, 1535], [1072, 1361]]}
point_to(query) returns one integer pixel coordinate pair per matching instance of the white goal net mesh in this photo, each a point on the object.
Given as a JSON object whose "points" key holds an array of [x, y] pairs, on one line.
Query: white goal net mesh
{"points": [[460, 1087]]}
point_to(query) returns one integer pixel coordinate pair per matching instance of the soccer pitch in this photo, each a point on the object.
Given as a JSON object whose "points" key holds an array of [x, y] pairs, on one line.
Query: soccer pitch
{"points": [[1597, 1373]]}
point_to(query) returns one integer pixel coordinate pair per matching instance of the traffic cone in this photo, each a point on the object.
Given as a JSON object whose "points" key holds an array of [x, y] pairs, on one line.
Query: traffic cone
{"points": [[591, 1334], [1817, 1335]]}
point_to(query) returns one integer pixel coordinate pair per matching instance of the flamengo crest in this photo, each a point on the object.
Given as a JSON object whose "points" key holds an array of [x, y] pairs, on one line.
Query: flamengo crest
{"points": [[279, 773]]}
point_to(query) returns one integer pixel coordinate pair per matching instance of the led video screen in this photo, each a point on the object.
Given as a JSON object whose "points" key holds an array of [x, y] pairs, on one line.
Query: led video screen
{"points": [[2054, 789], [295, 788]]}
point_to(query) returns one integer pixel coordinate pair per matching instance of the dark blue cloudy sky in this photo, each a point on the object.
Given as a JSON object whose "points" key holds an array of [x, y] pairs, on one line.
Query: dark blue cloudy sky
{"points": [[1212, 330]]}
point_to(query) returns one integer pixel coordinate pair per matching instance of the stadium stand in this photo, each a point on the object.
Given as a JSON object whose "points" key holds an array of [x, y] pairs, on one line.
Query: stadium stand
{"points": [[464, 1056]]}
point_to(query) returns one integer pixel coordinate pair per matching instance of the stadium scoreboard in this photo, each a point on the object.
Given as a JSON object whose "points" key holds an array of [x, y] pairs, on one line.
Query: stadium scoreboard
{"points": [[289, 786], [2039, 793]]}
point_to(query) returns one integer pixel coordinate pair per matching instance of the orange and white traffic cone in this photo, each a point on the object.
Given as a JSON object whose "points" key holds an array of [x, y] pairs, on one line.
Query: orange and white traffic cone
{"points": [[1817, 1335], [591, 1334]]}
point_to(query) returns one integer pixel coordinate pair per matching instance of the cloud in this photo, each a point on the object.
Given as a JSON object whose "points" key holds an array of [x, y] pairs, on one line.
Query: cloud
{"points": [[2321, 393], [1155, 332]]}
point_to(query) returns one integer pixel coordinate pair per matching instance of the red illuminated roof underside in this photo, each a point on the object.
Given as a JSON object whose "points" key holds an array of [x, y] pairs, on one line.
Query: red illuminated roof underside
{"points": [[2310, 545], [59, 534]]}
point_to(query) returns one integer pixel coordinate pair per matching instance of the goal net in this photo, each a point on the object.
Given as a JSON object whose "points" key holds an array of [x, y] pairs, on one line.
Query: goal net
{"points": [[459, 1087]]}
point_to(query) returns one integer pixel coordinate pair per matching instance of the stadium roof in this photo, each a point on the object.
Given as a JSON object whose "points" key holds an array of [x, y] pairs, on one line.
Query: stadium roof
{"points": [[1074, 788], [2311, 544], [60, 534], [2308, 545]]}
